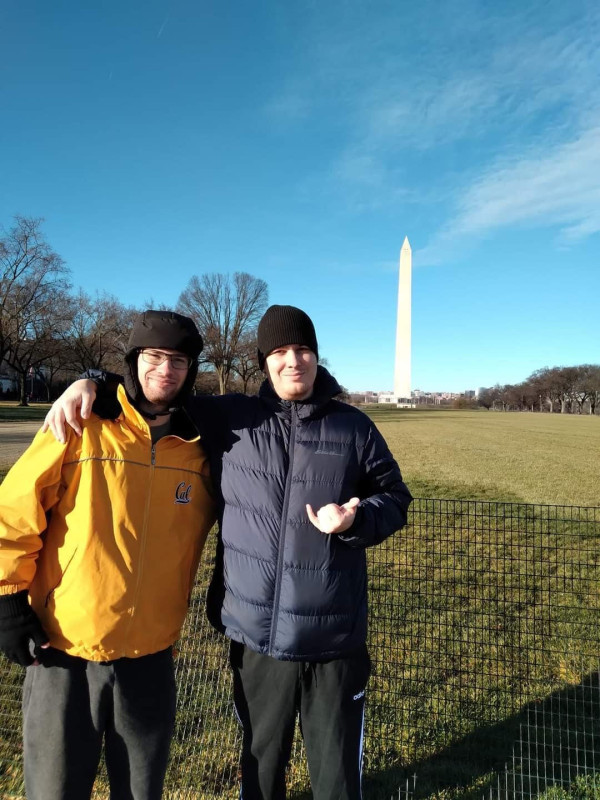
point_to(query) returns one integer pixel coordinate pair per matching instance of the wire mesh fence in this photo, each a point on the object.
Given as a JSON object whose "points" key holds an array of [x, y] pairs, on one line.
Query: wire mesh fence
{"points": [[484, 639]]}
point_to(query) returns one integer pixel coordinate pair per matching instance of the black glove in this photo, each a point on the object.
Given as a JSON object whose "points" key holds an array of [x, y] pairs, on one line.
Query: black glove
{"points": [[18, 625]]}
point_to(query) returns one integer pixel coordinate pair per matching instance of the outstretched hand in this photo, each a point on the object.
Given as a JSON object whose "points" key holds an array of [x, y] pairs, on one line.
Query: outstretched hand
{"points": [[333, 518], [78, 398]]}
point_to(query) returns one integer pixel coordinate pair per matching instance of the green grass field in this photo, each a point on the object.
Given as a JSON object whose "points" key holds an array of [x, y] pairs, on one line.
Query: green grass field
{"points": [[483, 455], [515, 457], [481, 620], [11, 412]]}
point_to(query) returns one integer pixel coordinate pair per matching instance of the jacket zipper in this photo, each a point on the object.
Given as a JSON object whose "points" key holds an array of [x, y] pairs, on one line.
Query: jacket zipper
{"points": [[143, 538], [283, 527]]}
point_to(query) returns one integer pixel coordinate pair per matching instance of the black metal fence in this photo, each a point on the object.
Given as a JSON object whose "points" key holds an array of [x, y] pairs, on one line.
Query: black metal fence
{"points": [[484, 636]]}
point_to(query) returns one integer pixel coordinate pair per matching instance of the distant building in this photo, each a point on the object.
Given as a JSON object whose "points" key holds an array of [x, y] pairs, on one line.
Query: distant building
{"points": [[386, 397], [418, 397], [357, 398], [8, 379]]}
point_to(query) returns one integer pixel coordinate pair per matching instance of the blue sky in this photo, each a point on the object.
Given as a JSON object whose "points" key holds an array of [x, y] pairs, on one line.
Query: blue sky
{"points": [[300, 141]]}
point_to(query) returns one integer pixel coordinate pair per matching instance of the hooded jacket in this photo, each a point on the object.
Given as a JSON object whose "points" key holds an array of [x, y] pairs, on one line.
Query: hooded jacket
{"points": [[106, 532], [280, 586]]}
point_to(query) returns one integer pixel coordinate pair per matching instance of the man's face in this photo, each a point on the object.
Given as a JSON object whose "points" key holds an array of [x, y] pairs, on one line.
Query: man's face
{"points": [[161, 383], [291, 371]]}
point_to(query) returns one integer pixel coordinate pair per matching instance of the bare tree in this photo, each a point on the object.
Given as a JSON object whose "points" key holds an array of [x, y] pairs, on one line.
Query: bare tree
{"points": [[33, 285], [553, 386], [98, 332], [28, 266], [486, 398], [570, 389], [54, 365], [245, 365], [206, 381], [225, 308], [585, 386], [566, 380], [38, 336], [593, 381]]}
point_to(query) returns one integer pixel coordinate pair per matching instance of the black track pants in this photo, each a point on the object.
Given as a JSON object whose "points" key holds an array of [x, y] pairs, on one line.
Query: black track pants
{"points": [[70, 705], [329, 698]]}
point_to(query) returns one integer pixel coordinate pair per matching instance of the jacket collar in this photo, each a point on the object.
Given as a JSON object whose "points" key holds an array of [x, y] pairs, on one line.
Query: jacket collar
{"points": [[182, 424], [325, 389], [131, 415]]}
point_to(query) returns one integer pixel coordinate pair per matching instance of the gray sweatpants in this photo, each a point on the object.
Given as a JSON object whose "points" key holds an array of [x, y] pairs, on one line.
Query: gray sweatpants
{"points": [[70, 705]]}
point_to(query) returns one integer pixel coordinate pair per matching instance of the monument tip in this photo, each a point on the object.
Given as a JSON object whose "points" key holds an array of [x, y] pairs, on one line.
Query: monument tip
{"points": [[406, 244]]}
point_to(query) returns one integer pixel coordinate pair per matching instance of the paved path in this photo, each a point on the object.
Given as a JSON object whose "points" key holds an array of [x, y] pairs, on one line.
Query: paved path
{"points": [[15, 437]]}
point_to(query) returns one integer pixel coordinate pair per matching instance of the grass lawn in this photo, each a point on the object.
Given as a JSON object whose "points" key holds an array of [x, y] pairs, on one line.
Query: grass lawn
{"points": [[12, 412], [483, 632], [487, 455], [482, 455]]}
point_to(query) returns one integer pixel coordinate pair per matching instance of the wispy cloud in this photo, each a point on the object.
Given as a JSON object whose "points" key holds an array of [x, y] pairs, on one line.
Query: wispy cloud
{"points": [[399, 79], [560, 188], [162, 27], [529, 82], [289, 108], [516, 90]]}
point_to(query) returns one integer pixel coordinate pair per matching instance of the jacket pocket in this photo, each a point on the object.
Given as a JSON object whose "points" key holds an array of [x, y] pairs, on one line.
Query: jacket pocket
{"points": [[58, 584]]}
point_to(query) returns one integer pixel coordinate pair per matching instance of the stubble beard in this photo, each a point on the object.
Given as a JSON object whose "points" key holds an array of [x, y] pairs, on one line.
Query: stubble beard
{"points": [[158, 398]]}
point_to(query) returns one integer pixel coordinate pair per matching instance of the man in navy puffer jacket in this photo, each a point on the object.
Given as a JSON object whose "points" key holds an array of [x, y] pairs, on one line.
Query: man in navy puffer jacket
{"points": [[307, 484]]}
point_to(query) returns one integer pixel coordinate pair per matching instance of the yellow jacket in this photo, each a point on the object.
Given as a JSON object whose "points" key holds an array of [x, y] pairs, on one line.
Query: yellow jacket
{"points": [[105, 532]]}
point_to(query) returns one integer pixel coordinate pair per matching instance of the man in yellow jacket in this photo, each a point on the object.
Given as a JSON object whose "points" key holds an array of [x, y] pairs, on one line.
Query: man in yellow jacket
{"points": [[100, 538]]}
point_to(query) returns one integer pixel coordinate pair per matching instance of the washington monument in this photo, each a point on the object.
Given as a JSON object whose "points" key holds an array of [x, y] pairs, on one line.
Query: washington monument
{"points": [[402, 368]]}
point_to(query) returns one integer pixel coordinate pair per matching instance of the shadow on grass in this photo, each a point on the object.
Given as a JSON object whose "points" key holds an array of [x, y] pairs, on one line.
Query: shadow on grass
{"points": [[432, 489], [548, 743]]}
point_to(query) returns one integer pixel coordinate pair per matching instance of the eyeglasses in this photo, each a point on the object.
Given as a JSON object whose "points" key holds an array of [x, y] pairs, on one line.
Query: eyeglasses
{"points": [[157, 357]]}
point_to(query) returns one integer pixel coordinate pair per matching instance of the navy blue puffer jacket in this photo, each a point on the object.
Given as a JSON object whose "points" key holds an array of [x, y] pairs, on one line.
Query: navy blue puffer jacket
{"points": [[281, 586]]}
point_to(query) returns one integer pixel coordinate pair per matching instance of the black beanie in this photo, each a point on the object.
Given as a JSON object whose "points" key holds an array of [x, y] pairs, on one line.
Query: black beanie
{"points": [[162, 329], [283, 325]]}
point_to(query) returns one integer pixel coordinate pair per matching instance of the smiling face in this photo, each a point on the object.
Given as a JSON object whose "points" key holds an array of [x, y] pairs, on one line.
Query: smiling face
{"points": [[161, 383], [291, 370]]}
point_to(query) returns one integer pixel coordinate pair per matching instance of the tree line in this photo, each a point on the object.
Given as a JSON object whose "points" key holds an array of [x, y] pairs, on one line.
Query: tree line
{"points": [[50, 333], [568, 390]]}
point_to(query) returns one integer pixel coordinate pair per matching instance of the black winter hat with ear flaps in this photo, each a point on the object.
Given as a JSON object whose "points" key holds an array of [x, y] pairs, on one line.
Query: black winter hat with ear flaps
{"points": [[162, 329]]}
